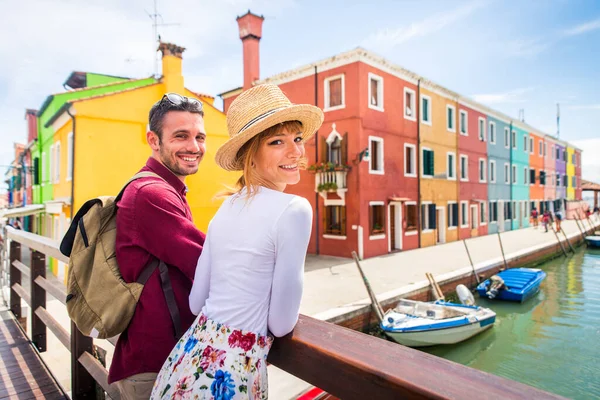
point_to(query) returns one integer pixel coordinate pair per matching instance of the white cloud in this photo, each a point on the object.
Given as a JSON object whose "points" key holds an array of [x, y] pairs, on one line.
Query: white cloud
{"points": [[510, 96], [524, 47], [389, 38], [590, 162], [583, 28]]}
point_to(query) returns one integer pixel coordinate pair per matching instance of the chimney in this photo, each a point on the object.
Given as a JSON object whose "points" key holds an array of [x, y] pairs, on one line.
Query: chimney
{"points": [[172, 76], [250, 26]]}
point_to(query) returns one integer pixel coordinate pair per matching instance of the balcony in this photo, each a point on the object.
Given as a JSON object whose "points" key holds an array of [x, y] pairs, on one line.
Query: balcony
{"points": [[331, 186]]}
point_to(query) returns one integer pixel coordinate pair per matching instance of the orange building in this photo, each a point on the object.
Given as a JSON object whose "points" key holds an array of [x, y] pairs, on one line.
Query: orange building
{"points": [[537, 173]]}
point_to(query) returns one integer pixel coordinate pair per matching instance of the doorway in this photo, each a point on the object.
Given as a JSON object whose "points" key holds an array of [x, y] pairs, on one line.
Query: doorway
{"points": [[395, 221], [500, 216], [440, 223]]}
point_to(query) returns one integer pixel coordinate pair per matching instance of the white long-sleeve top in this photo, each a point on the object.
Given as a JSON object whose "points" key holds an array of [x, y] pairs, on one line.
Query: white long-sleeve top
{"points": [[250, 273]]}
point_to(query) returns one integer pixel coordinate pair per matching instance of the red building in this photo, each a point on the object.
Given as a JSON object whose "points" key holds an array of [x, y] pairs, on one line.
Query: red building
{"points": [[30, 168], [473, 174], [578, 192], [363, 175]]}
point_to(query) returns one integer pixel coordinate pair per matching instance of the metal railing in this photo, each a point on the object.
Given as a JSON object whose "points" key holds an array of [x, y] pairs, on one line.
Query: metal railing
{"points": [[343, 362]]}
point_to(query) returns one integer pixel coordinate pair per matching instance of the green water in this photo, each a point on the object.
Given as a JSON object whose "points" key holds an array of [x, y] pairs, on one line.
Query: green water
{"points": [[552, 341]]}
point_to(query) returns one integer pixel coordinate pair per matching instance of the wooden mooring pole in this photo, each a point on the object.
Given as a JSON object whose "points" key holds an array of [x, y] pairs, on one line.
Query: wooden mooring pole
{"points": [[559, 242], [502, 250], [374, 303], [569, 243], [471, 261], [579, 227]]}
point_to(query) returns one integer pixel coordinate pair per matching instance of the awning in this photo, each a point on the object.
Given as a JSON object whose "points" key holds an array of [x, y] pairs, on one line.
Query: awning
{"points": [[22, 211], [398, 199]]}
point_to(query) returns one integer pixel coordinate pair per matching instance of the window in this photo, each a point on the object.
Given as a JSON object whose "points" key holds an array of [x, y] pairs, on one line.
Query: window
{"points": [[36, 171], [506, 174], [451, 165], [553, 153], [507, 211], [514, 139], [410, 161], [481, 129], [532, 176], [336, 150], [545, 149], [50, 178], [335, 220], [557, 153], [452, 214], [57, 163], [426, 109], [565, 181], [375, 92], [70, 156], [542, 178], [564, 153], [410, 109], [531, 148], [540, 148], [493, 211], [464, 214], [492, 171], [427, 162], [525, 144], [483, 213], [553, 180], [463, 123], [411, 217], [376, 155], [377, 218], [334, 93], [428, 220], [43, 169], [492, 132], [506, 138], [514, 174], [558, 180], [474, 216], [574, 181], [482, 173], [464, 168], [514, 210], [525, 175], [573, 159], [450, 118]]}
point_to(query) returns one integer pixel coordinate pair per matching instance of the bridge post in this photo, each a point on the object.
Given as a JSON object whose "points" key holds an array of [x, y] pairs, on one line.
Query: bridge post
{"points": [[38, 299], [83, 385], [15, 277]]}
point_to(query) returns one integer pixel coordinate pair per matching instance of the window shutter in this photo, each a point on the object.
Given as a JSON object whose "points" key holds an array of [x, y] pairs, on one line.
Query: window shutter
{"points": [[431, 162], [324, 149], [455, 214], [423, 217], [371, 222], [326, 222], [432, 220], [449, 214], [345, 149]]}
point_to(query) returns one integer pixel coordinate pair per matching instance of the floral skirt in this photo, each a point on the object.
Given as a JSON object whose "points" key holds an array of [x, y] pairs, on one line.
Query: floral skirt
{"points": [[213, 361]]}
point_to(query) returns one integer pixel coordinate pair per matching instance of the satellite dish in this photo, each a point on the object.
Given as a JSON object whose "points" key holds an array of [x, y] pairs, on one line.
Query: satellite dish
{"points": [[465, 296]]}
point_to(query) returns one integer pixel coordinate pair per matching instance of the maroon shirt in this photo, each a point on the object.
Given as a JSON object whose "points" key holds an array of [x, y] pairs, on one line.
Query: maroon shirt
{"points": [[154, 221]]}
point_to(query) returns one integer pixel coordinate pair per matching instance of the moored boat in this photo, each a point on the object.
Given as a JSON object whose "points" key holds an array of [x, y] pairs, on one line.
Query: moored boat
{"points": [[516, 284], [420, 324], [593, 241]]}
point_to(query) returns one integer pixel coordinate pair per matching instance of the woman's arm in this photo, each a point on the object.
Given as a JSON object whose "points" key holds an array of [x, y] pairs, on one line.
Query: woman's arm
{"points": [[291, 241], [201, 285]]}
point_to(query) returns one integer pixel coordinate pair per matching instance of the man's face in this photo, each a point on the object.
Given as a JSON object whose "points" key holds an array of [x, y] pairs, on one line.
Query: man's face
{"points": [[183, 142]]}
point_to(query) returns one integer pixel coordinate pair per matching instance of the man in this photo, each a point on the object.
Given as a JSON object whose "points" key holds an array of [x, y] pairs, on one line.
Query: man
{"points": [[534, 217], [154, 221]]}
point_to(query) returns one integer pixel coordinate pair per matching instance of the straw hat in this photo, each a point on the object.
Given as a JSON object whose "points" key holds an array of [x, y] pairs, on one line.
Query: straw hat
{"points": [[256, 110]]}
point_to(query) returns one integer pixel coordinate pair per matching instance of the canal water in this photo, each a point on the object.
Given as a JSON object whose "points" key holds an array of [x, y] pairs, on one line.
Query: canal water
{"points": [[552, 341]]}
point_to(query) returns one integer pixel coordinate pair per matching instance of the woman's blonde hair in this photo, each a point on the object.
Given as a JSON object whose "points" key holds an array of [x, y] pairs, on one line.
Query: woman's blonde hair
{"points": [[250, 179]]}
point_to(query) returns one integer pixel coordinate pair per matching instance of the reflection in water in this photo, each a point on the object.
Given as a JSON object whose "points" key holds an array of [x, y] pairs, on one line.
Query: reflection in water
{"points": [[553, 340]]}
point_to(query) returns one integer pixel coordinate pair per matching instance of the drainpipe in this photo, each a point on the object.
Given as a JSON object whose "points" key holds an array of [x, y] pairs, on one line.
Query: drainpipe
{"points": [[511, 175], [419, 212], [72, 165], [316, 161]]}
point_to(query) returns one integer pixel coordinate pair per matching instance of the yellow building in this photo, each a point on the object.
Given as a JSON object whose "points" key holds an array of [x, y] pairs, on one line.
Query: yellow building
{"points": [[438, 139], [570, 165], [100, 142]]}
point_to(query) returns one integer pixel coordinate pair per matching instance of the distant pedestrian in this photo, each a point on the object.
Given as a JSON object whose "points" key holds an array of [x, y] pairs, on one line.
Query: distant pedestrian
{"points": [[546, 219], [534, 217], [558, 220]]}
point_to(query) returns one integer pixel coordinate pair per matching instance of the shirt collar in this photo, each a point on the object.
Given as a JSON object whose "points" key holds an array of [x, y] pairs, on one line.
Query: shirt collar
{"points": [[167, 175]]}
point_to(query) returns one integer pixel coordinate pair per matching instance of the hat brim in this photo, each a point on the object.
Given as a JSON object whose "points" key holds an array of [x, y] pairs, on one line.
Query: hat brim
{"points": [[310, 116]]}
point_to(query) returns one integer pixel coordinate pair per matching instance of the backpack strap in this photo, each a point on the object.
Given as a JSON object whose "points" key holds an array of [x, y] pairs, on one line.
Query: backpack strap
{"points": [[167, 289], [143, 174]]}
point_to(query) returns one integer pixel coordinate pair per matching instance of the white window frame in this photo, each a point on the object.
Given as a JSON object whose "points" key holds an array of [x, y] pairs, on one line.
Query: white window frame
{"points": [[424, 97], [514, 210], [490, 208], [70, 156], [531, 183], [492, 129], [379, 235], [414, 160], [415, 231], [514, 139], [545, 177], [531, 145], [51, 165], [327, 93], [525, 143], [506, 138], [57, 147], [526, 175], [483, 172], [423, 165], [453, 129], [507, 173], [43, 167], [474, 206], [541, 148], [545, 149], [460, 124], [425, 217], [481, 129], [413, 104], [450, 216], [483, 212], [466, 157], [379, 106], [514, 174], [463, 214], [492, 171], [453, 154], [374, 171]]}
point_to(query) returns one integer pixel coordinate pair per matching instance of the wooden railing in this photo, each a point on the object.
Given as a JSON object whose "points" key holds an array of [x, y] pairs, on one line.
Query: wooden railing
{"points": [[345, 363]]}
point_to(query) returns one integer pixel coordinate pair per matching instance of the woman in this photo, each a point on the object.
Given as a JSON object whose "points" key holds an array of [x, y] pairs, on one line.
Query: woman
{"points": [[249, 277]]}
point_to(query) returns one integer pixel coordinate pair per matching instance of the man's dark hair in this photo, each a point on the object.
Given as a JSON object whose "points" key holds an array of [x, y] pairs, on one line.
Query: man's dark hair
{"points": [[160, 109]]}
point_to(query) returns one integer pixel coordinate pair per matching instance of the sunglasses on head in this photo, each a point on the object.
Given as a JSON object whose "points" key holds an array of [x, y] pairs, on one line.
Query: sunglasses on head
{"points": [[177, 100]]}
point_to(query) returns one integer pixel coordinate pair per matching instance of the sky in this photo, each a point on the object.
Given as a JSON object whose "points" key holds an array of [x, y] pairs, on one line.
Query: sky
{"points": [[507, 54]]}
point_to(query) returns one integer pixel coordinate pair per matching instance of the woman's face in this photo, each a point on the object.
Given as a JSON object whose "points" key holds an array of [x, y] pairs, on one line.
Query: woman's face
{"points": [[277, 158]]}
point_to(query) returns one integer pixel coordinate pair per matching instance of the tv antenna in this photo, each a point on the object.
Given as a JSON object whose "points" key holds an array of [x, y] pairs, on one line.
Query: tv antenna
{"points": [[522, 114], [155, 16]]}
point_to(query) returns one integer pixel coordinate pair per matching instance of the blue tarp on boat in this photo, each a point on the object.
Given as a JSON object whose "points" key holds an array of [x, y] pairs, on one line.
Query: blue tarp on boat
{"points": [[519, 284]]}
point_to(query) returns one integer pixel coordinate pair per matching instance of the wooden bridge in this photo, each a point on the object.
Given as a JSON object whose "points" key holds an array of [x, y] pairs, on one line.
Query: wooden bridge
{"points": [[345, 363]]}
